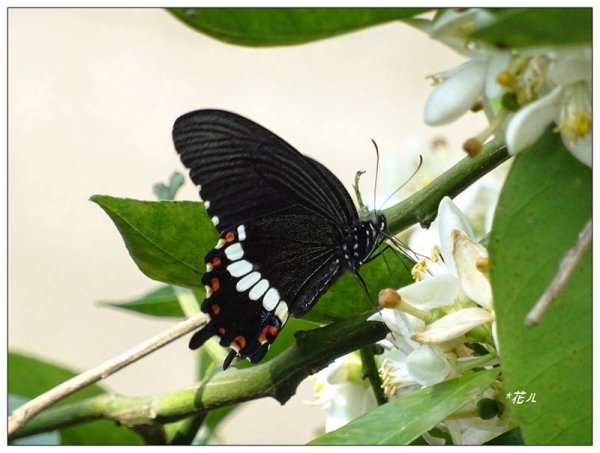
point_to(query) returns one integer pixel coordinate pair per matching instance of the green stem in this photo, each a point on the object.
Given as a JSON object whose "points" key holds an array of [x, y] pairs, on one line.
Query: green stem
{"points": [[357, 194], [370, 372], [422, 206], [278, 378]]}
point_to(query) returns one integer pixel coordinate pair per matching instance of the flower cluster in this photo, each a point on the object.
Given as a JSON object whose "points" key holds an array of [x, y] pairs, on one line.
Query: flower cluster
{"points": [[443, 324], [521, 91]]}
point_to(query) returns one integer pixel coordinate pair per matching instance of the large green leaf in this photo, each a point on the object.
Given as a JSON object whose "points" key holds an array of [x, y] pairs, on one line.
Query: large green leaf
{"points": [[405, 418], [546, 201], [166, 239], [29, 377], [285, 26], [529, 27]]}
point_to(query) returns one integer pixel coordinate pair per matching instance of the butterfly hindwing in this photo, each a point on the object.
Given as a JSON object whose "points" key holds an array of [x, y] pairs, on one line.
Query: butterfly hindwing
{"points": [[250, 294]]}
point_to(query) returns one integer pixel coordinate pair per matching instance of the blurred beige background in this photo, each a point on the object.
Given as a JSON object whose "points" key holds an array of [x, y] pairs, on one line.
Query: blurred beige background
{"points": [[93, 94]]}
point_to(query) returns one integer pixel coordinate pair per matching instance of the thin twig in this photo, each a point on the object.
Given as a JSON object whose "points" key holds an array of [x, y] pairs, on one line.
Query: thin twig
{"points": [[567, 266], [21, 415], [370, 372]]}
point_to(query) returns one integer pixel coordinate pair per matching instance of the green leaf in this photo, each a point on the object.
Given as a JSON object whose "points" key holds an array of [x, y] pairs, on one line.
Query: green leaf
{"points": [[346, 298], [29, 377], [166, 239], [546, 201], [161, 302], [285, 26], [528, 27], [405, 418]]}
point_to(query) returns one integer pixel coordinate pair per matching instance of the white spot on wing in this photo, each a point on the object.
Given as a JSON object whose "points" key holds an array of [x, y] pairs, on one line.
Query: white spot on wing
{"points": [[241, 230], [207, 204], [282, 311], [208, 290], [220, 243], [239, 268], [234, 252], [258, 290], [271, 299], [247, 282], [215, 220]]}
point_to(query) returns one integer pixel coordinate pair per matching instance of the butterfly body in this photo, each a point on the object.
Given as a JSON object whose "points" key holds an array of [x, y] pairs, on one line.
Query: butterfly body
{"points": [[288, 229]]}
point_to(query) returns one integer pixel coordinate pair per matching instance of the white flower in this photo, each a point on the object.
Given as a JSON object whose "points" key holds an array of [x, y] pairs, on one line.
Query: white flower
{"points": [[425, 348], [568, 104], [342, 391], [403, 373], [459, 89]]}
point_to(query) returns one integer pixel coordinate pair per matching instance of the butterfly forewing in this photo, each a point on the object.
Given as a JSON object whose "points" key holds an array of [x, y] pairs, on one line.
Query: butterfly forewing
{"points": [[245, 171]]}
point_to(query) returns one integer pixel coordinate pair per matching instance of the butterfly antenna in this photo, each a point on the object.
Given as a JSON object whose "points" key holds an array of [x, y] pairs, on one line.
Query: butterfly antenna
{"points": [[385, 260], [406, 182], [376, 175], [401, 250]]}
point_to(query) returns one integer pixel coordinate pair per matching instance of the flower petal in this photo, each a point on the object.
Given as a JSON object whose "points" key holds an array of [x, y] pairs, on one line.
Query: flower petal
{"points": [[582, 150], [348, 402], [450, 218], [527, 125], [457, 94], [427, 365], [568, 70], [453, 325], [467, 255], [433, 292]]}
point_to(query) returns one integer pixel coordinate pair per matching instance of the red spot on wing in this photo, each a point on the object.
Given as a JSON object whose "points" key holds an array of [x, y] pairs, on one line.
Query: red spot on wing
{"points": [[268, 329], [240, 341]]}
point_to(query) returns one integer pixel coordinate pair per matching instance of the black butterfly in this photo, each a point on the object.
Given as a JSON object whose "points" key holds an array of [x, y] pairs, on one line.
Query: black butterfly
{"points": [[288, 229]]}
